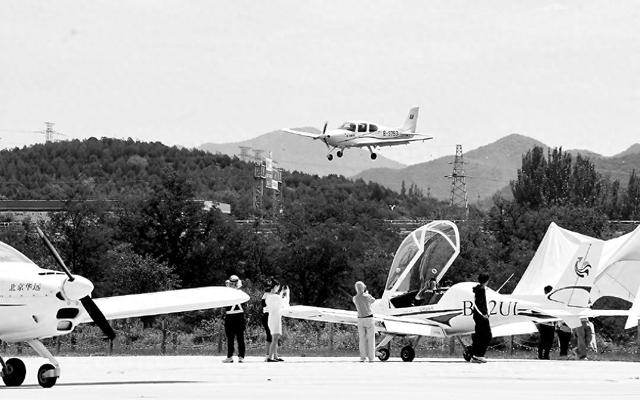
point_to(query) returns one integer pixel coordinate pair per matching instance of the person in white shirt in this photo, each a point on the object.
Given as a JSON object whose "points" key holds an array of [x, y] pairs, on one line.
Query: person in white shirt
{"points": [[276, 301]]}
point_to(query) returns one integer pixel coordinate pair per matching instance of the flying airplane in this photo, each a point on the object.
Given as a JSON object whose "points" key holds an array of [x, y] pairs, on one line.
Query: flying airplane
{"points": [[367, 134], [413, 306], [37, 303]]}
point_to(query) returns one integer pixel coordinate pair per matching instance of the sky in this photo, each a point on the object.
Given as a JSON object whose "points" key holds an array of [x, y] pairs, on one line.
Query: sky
{"points": [[566, 73]]}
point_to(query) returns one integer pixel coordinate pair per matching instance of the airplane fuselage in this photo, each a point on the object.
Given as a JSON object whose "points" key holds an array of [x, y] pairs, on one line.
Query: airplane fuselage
{"points": [[364, 133], [32, 304], [453, 313]]}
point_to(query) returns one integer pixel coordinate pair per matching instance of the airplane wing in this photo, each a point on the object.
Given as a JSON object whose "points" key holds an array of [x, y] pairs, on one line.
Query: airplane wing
{"points": [[383, 323], [516, 328], [171, 301], [374, 142], [301, 133]]}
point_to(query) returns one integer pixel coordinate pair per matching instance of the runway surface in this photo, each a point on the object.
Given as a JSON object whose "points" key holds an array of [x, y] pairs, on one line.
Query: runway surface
{"points": [[187, 377]]}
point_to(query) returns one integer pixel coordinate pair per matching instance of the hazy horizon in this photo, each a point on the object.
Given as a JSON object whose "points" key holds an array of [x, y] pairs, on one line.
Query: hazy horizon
{"points": [[187, 73]]}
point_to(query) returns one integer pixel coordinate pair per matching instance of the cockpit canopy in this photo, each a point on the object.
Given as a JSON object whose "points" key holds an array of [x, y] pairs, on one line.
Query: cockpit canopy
{"points": [[422, 259], [359, 127]]}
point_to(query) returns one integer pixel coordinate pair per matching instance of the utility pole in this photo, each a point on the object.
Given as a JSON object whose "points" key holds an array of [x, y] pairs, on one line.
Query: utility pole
{"points": [[49, 133], [458, 185]]}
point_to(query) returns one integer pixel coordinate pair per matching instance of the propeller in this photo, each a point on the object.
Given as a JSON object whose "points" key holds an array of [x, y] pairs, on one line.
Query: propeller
{"points": [[79, 288], [323, 136]]}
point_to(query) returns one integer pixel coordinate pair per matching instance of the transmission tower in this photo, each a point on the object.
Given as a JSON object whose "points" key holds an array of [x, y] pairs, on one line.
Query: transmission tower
{"points": [[49, 133], [458, 185]]}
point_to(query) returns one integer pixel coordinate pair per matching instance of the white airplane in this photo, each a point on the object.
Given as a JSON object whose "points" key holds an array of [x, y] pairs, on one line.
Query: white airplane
{"points": [[411, 308], [367, 134], [37, 303]]}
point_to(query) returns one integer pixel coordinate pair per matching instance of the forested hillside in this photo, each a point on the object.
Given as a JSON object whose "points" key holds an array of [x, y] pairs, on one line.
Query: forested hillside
{"points": [[332, 231]]}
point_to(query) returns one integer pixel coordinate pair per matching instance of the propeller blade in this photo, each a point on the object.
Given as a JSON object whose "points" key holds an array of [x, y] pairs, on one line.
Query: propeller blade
{"points": [[55, 254], [325, 127], [98, 317]]}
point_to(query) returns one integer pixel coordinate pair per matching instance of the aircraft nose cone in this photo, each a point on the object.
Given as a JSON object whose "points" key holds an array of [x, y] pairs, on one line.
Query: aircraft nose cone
{"points": [[78, 288]]}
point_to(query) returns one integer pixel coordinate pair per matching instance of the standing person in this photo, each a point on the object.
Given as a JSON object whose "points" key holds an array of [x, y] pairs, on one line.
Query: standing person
{"points": [[564, 337], [482, 335], [546, 331], [265, 316], [276, 301], [584, 336], [234, 324], [366, 331]]}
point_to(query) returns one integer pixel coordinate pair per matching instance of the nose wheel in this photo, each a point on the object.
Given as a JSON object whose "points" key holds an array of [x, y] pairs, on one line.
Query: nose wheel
{"points": [[383, 354]]}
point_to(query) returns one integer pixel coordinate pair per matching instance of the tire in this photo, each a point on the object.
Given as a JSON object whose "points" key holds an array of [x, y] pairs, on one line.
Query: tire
{"points": [[46, 382], [383, 354], [14, 373], [339, 153], [407, 354], [329, 157], [374, 156]]}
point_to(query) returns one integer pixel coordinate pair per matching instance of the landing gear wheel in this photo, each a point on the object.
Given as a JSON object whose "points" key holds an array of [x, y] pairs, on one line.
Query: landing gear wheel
{"points": [[14, 373], [339, 153], [329, 157], [44, 381], [466, 353], [407, 354], [374, 156], [383, 354]]}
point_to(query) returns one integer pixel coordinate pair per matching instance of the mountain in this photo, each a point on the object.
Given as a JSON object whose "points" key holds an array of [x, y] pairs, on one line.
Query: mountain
{"points": [[297, 153], [633, 149], [488, 169]]}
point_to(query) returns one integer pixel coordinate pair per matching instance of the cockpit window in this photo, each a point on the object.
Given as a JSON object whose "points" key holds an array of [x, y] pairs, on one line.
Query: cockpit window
{"points": [[362, 127], [421, 260], [373, 128], [349, 126], [9, 254]]}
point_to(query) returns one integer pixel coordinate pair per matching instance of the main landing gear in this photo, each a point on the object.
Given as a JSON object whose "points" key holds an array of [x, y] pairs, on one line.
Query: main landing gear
{"points": [[14, 371], [339, 153], [373, 155], [407, 353]]}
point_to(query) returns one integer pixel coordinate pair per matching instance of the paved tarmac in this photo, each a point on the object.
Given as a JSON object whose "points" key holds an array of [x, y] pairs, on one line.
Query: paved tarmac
{"points": [[188, 377]]}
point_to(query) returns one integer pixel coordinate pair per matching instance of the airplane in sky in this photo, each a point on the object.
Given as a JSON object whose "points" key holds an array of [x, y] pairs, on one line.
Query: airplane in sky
{"points": [[37, 303], [367, 134], [413, 306]]}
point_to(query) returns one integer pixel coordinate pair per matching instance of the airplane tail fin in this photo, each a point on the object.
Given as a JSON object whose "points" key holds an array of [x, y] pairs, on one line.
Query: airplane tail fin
{"points": [[574, 288], [411, 121]]}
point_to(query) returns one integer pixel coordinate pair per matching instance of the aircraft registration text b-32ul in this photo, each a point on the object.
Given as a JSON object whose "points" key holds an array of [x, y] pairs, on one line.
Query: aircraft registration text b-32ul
{"points": [[367, 134]]}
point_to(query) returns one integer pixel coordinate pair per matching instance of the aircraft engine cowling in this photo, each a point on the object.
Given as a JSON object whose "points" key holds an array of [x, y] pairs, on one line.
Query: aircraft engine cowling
{"points": [[77, 288]]}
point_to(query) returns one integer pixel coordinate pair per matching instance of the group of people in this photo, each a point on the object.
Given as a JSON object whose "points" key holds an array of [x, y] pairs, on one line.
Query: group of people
{"points": [[584, 337], [274, 300]]}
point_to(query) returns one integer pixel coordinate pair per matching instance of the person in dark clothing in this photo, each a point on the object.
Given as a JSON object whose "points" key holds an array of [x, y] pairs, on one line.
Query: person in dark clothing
{"points": [[234, 324], [482, 335], [265, 313], [564, 337], [547, 334]]}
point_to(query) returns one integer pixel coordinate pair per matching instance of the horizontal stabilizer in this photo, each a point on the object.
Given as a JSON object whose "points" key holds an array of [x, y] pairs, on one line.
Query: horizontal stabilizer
{"points": [[171, 301]]}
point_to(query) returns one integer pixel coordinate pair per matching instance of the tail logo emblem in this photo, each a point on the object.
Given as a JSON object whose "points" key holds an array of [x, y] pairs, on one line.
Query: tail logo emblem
{"points": [[582, 269]]}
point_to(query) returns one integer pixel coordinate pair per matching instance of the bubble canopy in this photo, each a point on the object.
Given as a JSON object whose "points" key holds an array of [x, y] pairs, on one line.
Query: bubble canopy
{"points": [[423, 256]]}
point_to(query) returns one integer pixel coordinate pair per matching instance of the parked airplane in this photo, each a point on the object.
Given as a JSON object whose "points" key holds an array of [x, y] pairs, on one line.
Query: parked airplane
{"points": [[413, 306], [367, 134], [37, 303]]}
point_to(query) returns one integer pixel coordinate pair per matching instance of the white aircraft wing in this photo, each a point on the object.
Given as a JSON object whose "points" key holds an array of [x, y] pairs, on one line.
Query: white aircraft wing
{"points": [[375, 142], [383, 323], [516, 328], [172, 301], [301, 133]]}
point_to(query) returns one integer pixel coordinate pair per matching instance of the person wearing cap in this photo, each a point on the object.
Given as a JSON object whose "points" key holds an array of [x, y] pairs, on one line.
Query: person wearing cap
{"points": [[276, 301], [234, 324], [366, 331]]}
